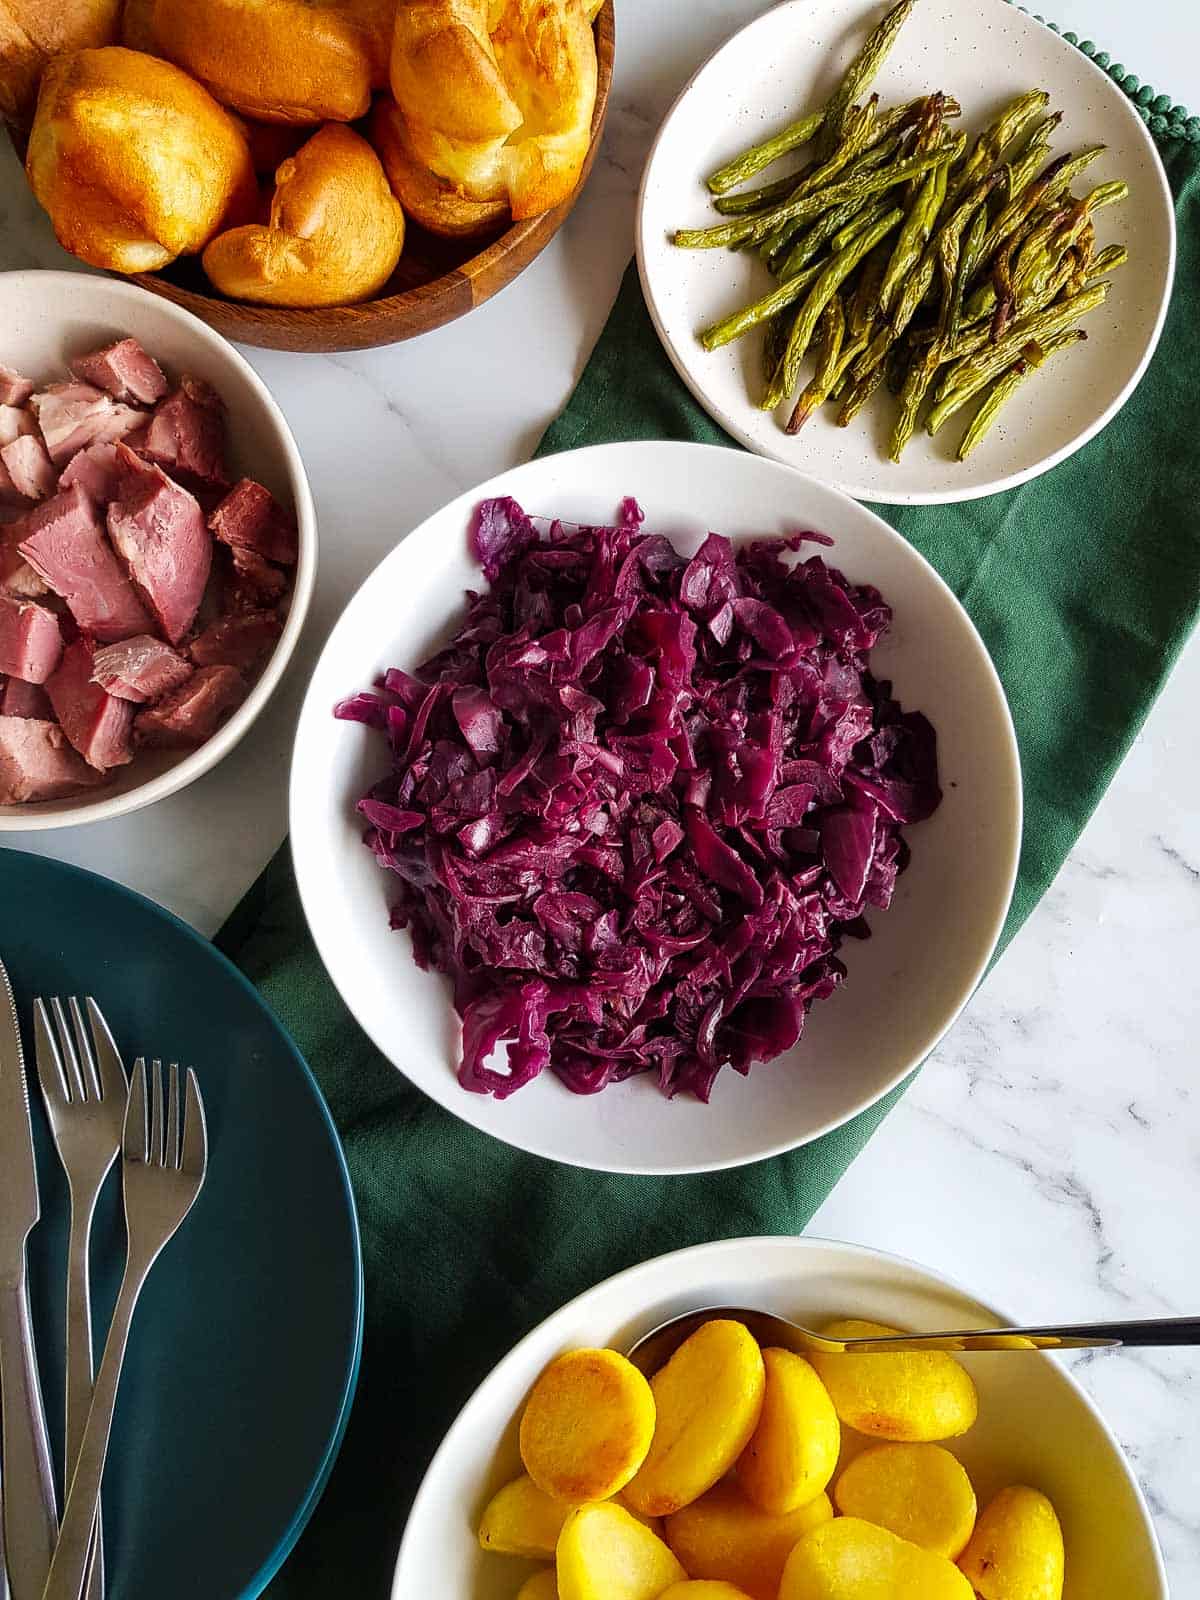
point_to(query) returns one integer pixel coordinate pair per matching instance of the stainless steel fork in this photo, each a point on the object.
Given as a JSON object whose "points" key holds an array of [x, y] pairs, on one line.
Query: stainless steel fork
{"points": [[83, 1085], [164, 1160]]}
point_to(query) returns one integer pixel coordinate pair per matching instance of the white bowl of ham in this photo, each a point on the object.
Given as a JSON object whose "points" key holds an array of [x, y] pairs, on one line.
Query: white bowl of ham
{"points": [[157, 548]]}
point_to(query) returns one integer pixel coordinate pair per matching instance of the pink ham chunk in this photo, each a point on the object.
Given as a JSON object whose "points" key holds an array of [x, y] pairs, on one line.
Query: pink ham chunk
{"points": [[123, 370], [96, 469], [21, 699], [14, 389], [191, 713], [75, 415], [253, 583], [30, 471], [37, 763], [186, 434], [96, 722], [17, 577], [158, 530], [31, 643], [16, 421], [238, 641], [139, 669], [63, 542], [250, 518]]}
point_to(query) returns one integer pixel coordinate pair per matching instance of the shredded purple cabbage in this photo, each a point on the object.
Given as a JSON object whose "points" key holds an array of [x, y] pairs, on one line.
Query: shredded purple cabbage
{"points": [[638, 801]]}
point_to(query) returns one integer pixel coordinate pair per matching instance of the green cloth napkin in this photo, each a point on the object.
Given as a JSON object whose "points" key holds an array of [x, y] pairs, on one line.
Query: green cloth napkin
{"points": [[1084, 585]]}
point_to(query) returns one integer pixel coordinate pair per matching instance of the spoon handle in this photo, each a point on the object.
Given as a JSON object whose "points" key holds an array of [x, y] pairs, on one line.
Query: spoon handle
{"points": [[1071, 1336]]}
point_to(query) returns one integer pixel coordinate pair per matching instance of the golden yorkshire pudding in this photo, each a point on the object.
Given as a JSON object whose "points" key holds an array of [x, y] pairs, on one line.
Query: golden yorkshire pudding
{"points": [[497, 95], [32, 31], [276, 60], [376, 19], [134, 161], [270, 142], [335, 233], [137, 27], [432, 201]]}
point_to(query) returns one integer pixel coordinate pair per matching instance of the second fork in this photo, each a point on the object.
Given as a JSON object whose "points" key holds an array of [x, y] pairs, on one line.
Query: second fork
{"points": [[84, 1088]]}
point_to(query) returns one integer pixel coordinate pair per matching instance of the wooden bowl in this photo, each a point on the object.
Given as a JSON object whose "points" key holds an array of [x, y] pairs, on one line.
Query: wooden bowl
{"points": [[436, 281]]}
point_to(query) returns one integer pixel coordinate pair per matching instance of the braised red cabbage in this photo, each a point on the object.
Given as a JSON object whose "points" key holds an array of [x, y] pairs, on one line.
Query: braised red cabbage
{"points": [[638, 801]]}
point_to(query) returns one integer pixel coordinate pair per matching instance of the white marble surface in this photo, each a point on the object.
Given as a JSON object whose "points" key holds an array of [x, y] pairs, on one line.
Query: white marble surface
{"points": [[1049, 1156]]}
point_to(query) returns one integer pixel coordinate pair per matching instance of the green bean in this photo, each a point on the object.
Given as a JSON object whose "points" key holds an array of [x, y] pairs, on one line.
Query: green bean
{"points": [[859, 393], [1030, 241], [1045, 189], [814, 239], [1004, 294], [759, 311], [914, 235], [859, 125], [830, 279], [775, 341], [964, 269], [994, 140], [739, 205], [973, 373], [762, 155], [920, 375], [928, 137], [859, 75], [845, 359], [1109, 259], [1008, 382], [858, 225], [1022, 168], [800, 251], [859, 185], [941, 249], [862, 186], [832, 331]]}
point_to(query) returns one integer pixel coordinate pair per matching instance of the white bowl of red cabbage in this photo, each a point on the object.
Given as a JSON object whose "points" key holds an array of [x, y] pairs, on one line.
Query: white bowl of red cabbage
{"points": [[157, 548], [654, 808]]}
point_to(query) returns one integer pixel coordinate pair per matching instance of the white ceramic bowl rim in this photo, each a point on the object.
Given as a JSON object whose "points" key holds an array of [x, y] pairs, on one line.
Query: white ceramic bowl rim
{"points": [[329, 882], [637, 1283], [62, 814]]}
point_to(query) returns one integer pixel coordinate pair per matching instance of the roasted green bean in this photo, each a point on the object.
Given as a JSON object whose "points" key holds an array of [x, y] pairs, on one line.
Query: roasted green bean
{"points": [[859, 75], [743, 167], [832, 276], [740, 322], [858, 186], [1006, 384], [975, 372], [831, 332]]}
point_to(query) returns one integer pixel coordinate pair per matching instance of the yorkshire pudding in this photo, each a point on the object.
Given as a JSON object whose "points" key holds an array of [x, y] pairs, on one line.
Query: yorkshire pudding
{"points": [[434, 202], [134, 161], [277, 60], [137, 26], [32, 31], [334, 236], [497, 95]]}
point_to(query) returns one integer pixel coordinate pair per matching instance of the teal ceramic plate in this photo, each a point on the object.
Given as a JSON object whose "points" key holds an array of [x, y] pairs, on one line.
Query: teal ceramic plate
{"points": [[245, 1347]]}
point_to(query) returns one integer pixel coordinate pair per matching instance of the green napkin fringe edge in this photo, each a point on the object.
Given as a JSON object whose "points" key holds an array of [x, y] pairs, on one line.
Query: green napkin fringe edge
{"points": [[1164, 118]]}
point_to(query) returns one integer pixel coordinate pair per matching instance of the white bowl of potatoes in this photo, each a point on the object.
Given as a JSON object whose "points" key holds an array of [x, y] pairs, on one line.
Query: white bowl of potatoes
{"points": [[996, 1473]]}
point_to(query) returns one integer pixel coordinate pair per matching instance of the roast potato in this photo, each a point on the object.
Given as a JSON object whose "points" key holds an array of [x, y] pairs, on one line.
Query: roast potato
{"points": [[587, 1425], [708, 1398]]}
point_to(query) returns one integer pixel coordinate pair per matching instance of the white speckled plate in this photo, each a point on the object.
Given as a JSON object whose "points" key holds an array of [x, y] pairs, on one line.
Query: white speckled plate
{"points": [[983, 54]]}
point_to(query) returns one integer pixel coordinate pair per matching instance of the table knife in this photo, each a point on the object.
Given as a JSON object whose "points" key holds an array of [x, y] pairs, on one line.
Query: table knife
{"points": [[30, 1519]]}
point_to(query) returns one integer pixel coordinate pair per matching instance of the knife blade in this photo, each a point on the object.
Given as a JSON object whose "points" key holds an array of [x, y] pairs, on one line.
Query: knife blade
{"points": [[19, 1208], [30, 1518]]}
